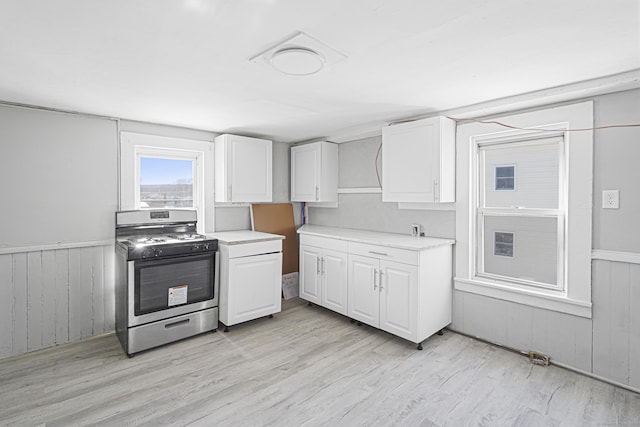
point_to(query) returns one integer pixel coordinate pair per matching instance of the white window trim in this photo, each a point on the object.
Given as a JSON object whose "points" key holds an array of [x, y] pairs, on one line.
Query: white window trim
{"points": [[575, 299], [521, 138], [134, 145]]}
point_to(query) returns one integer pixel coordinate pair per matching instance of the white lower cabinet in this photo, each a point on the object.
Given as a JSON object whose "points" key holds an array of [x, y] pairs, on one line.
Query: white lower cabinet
{"points": [[323, 274], [404, 288], [250, 281], [384, 294]]}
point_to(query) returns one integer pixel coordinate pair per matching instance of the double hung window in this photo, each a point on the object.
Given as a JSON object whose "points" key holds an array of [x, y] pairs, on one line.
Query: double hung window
{"points": [[520, 229], [523, 209], [161, 172]]}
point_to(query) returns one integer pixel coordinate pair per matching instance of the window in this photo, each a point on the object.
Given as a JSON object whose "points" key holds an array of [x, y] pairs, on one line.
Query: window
{"points": [[535, 210], [505, 178], [166, 182], [162, 172], [503, 243], [523, 210]]}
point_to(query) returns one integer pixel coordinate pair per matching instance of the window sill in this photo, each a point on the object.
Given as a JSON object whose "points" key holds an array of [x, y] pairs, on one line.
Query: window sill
{"points": [[533, 298]]}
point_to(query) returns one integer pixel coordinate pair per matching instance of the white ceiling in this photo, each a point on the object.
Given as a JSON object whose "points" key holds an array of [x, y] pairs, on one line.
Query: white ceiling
{"points": [[186, 62]]}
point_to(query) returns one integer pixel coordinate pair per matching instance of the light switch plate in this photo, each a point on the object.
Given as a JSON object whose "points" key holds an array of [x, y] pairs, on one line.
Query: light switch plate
{"points": [[610, 199]]}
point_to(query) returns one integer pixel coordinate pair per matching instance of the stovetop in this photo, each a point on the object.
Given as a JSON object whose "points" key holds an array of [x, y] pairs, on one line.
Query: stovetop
{"points": [[160, 233], [163, 239]]}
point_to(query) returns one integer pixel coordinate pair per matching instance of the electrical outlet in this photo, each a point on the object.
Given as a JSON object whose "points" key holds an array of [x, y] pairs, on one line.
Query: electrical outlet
{"points": [[610, 199]]}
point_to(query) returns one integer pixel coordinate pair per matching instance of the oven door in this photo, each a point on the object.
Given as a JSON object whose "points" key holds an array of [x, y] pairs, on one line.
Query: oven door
{"points": [[168, 287]]}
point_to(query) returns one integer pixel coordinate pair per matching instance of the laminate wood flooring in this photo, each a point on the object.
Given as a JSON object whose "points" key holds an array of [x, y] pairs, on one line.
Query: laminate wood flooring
{"points": [[305, 367]]}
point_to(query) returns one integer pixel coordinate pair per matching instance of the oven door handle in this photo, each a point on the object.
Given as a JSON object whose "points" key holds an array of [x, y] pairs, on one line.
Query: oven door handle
{"points": [[216, 275]]}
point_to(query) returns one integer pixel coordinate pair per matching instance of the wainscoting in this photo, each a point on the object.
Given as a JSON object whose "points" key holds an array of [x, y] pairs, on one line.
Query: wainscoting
{"points": [[606, 346], [55, 296], [616, 321]]}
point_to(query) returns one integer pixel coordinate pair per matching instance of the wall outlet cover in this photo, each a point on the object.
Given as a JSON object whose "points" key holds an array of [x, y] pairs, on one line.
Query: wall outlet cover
{"points": [[610, 199]]}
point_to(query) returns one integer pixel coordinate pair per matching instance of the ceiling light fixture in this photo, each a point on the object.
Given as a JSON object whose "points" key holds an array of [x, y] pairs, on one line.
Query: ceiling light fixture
{"points": [[298, 54], [297, 61]]}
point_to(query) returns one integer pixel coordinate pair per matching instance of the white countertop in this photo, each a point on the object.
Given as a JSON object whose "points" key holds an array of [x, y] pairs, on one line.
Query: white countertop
{"points": [[391, 240], [238, 237]]}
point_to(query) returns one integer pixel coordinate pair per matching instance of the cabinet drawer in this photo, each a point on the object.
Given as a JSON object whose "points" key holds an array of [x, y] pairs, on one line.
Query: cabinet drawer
{"points": [[383, 252], [254, 248], [323, 242]]}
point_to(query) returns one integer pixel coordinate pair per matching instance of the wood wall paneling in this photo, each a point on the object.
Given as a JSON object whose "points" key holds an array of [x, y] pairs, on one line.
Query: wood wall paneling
{"points": [[48, 298], [34, 301], [634, 327], [19, 319], [55, 296], [566, 338], [6, 306], [62, 296]]}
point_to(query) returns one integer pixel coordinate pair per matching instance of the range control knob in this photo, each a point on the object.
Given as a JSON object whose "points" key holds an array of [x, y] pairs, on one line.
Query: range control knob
{"points": [[147, 253], [157, 252], [205, 246], [195, 247]]}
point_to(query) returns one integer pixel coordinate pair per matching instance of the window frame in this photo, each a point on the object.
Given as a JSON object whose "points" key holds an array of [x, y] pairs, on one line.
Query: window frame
{"points": [[135, 145], [575, 298], [520, 139]]}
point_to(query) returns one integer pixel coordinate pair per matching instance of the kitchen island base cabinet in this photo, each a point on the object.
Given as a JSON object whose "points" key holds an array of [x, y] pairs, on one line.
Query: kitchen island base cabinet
{"points": [[250, 279], [403, 287]]}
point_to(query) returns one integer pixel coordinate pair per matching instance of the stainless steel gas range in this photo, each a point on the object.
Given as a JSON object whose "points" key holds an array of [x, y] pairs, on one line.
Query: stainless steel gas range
{"points": [[166, 278]]}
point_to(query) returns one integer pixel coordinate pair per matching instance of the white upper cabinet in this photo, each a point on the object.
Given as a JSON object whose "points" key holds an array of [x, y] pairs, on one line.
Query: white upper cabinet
{"points": [[418, 161], [242, 169], [314, 172]]}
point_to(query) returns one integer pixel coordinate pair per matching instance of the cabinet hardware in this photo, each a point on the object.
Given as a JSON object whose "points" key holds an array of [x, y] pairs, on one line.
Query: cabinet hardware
{"points": [[436, 192], [380, 280], [178, 323], [323, 261], [318, 266], [317, 197], [230, 197], [375, 276], [378, 253]]}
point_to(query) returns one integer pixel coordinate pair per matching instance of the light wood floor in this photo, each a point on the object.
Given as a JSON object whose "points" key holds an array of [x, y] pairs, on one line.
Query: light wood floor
{"points": [[306, 366]]}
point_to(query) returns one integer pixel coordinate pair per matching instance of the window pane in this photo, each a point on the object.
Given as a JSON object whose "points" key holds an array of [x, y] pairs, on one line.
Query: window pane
{"points": [[521, 247], [530, 171], [166, 183]]}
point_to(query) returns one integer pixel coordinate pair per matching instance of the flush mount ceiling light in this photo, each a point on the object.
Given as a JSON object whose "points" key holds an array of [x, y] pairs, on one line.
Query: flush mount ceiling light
{"points": [[299, 54], [297, 61]]}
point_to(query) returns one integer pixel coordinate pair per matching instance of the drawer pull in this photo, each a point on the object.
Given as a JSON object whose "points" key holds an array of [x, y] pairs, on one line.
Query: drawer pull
{"points": [[173, 325], [378, 253]]}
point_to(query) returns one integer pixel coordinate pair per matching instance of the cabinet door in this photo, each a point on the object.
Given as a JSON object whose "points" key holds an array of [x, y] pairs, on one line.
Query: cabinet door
{"points": [[254, 287], [243, 169], [334, 280], [399, 299], [309, 276], [410, 162], [250, 170], [363, 295], [305, 172]]}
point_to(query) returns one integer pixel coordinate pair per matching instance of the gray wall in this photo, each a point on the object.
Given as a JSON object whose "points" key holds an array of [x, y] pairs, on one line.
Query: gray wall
{"points": [[606, 345], [617, 167], [367, 211], [64, 291]]}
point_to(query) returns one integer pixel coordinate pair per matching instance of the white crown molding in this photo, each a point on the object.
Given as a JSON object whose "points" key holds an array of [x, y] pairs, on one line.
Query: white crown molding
{"points": [[545, 97]]}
